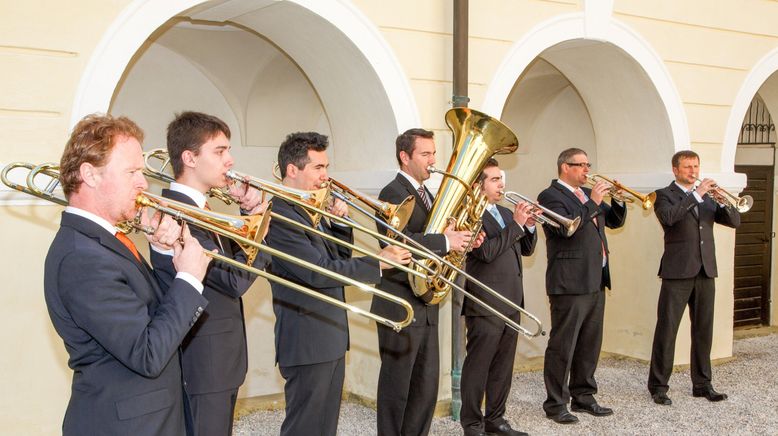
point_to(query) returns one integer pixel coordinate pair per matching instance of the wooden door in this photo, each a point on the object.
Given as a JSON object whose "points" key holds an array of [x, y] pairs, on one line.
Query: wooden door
{"points": [[753, 242]]}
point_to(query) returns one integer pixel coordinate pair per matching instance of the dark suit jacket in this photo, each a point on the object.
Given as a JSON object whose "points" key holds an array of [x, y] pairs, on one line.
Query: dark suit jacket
{"points": [[497, 264], [395, 281], [575, 262], [121, 330], [689, 244], [309, 330], [214, 355]]}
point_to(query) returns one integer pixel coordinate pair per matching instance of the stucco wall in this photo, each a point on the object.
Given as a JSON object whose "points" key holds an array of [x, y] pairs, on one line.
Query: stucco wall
{"points": [[707, 52]]}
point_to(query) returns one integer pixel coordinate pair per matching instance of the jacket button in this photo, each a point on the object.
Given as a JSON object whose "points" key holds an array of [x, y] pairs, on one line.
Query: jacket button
{"points": [[700, 227], [702, 242], [414, 319]]}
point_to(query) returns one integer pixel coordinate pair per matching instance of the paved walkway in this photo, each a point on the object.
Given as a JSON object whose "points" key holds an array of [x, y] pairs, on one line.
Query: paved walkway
{"points": [[750, 380]]}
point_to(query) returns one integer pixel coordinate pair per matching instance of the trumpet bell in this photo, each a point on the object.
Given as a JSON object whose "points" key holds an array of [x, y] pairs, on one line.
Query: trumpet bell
{"points": [[745, 203]]}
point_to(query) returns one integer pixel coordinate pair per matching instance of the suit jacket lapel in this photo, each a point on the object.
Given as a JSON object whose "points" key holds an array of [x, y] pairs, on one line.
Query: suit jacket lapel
{"points": [[411, 191], [681, 196], [110, 242], [306, 219]]}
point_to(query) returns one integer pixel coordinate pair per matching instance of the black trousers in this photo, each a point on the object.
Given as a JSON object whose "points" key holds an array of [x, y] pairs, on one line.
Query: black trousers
{"points": [[700, 294], [408, 380], [211, 413], [487, 370], [573, 350], [312, 394]]}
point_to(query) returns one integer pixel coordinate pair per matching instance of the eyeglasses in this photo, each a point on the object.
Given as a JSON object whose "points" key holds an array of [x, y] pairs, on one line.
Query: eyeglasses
{"points": [[579, 164]]}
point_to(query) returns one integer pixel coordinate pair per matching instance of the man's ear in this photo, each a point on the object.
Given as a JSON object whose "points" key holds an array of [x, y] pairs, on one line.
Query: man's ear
{"points": [[404, 158], [292, 170], [188, 158], [88, 174]]}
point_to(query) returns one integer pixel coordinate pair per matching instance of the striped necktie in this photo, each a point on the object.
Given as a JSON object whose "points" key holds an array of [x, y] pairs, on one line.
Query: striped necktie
{"points": [[424, 197]]}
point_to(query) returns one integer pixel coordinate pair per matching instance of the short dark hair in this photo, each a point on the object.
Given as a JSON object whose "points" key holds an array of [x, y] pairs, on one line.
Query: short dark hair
{"points": [[565, 155], [188, 132], [92, 141], [684, 154], [294, 149], [492, 162], [407, 141]]}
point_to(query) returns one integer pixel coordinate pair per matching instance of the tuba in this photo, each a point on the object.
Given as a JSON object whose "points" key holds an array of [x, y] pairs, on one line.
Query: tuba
{"points": [[477, 137]]}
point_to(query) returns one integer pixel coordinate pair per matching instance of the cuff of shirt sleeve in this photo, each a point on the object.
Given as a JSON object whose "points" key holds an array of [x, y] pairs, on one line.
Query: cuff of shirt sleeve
{"points": [[530, 229], [161, 251], [697, 196], [189, 278]]}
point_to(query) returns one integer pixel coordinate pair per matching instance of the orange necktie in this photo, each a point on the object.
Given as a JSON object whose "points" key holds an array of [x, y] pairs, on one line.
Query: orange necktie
{"points": [[128, 243]]}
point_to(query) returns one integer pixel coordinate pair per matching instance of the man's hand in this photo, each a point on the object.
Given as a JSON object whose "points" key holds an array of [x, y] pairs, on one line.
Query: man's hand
{"points": [[458, 240], [479, 240], [189, 256], [251, 200], [166, 230], [338, 208], [395, 254], [522, 212], [599, 191], [705, 186]]}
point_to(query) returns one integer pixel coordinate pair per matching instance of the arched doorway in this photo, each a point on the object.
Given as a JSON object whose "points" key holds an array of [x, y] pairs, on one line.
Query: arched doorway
{"points": [[600, 88], [268, 68], [755, 157]]}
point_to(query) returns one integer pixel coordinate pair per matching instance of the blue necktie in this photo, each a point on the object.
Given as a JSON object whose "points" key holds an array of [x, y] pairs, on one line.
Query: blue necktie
{"points": [[496, 214]]}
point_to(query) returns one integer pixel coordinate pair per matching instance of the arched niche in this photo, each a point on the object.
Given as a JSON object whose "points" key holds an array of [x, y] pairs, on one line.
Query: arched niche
{"points": [[267, 67]]}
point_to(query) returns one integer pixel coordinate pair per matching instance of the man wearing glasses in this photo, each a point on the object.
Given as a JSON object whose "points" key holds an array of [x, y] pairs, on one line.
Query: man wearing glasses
{"points": [[576, 277]]}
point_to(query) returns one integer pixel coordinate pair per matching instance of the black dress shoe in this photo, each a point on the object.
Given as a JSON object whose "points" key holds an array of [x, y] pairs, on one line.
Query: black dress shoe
{"points": [[709, 393], [504, 429], [661, 398], [593, 409], [563, 417], [474, 432]]}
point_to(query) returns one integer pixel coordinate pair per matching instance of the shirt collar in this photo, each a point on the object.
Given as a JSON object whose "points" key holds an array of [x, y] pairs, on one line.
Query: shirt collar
{"points": [[413, 181], [102, 222], [196, 196], [561, 182], [684, 190]]}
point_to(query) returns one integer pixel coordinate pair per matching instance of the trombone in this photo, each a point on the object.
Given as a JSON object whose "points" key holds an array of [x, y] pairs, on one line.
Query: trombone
{"points": [[243, 230], [161, 174], [312, 202], [544, 215], [396, 215], [647, 200], [726, 198], [430, 272]]}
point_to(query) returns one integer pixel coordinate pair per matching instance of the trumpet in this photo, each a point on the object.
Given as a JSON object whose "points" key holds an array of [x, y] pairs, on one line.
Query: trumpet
{"points": [[243, 230], [647, 200], [544, 215], [726, 198]]}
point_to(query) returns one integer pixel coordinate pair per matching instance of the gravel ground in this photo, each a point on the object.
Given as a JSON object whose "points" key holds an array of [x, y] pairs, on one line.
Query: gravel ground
{"points": [[749, 380]]}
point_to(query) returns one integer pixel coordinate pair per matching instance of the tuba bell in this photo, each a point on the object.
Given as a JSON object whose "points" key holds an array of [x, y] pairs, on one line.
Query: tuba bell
{"points": [[477, 137]]}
